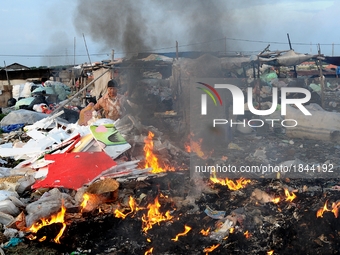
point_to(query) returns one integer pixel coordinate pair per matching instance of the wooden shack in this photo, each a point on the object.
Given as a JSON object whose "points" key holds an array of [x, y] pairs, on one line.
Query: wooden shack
{"points": [[18, 74]]}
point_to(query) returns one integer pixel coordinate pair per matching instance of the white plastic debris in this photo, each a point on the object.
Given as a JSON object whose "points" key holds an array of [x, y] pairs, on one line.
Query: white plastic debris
{"points": [[223, 231]]}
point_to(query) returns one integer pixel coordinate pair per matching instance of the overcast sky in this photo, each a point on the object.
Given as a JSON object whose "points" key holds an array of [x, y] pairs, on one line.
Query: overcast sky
{"points": [[56, 32]]}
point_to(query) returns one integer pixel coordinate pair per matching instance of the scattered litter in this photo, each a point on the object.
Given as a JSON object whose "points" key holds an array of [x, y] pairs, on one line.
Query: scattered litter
{"points": [[214, 214]]}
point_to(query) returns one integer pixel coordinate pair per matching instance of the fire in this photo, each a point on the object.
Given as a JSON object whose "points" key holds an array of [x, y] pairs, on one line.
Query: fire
{"points": [[276, 200], [195, 147], [320, 212], [148, 252], [247, 234], [133, 208], [289, 197], [42, 239], [270, 252], [211, 248], [150, 158], [231, 230], [56, 218], [154, 216], [205, 232], [187, 229], [187, 148], [240, 183], [86, 198], [334, 210]]}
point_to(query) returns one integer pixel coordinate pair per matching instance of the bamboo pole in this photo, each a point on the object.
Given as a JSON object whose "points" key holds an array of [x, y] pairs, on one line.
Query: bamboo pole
{"points": [[290, 46], [322, 83], [76, 94], [259, 62], [9, 82]]}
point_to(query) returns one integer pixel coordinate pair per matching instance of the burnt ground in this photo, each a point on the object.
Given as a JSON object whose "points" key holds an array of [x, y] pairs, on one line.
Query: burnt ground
{"points": [[284, 228]]}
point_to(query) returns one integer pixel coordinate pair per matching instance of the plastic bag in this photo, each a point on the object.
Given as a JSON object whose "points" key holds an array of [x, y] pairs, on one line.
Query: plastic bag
{"points": [[10, 128]]}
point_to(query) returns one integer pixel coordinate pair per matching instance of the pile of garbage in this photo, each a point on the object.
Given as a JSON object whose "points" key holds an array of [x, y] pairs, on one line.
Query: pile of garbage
{"points": [[54, 162], [38, 97]]}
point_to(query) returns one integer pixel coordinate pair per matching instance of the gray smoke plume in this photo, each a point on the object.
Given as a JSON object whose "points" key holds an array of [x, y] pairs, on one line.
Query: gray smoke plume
{"points": [[117, 24], [150, 25]]}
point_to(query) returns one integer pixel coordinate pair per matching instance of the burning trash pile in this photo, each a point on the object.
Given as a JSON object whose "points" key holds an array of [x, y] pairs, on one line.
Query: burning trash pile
{"points": [[119, 188], [82, 201], [53, 173]]}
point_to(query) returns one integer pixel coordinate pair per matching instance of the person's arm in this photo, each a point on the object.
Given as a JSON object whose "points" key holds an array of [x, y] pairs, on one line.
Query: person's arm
{"points": [[97, 106]]}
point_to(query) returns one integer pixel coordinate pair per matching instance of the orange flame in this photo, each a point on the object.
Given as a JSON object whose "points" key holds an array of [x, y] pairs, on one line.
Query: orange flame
{"points": [[320, 212], [148, 252], [270, 252], [211, 248], [86, 198], [195, 147], [276, 200], [133, 208], [150, 158], [247, 234], [205, 232], [187, 148], [240, 183], [289, 197], [42, 239], [334, 210], [187, 229], [154, 216], [56, 218], [231, 230]]}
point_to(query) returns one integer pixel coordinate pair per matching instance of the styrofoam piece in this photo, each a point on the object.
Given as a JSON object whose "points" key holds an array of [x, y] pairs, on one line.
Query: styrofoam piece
{"points": [[41, 163], [58, 135], [6, 145], [36, 135], [10, 152], [42, 172], [42, 144]]}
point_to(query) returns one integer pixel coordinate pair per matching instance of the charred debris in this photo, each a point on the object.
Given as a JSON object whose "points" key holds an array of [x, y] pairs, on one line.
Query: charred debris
{"points": [[61, 193]]}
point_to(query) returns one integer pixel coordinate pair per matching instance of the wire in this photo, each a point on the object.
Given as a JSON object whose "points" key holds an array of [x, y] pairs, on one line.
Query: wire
{"points": [[174, 47]]}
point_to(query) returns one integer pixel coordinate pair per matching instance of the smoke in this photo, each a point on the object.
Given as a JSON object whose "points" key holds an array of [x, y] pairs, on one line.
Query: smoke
{"points": [[57, 49], [116, 24], [150, 25]]}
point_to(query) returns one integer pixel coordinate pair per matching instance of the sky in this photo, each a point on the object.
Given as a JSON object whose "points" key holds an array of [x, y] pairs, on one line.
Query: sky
{"points": [[63, 32]]}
